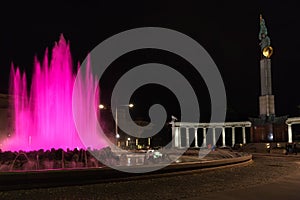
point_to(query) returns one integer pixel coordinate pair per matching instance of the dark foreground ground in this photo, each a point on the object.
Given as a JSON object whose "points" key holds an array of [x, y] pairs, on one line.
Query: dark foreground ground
{"points": [[245, 181]]}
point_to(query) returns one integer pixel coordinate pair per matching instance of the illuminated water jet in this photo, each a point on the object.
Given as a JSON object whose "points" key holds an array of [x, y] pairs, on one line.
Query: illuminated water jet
{"points": [[42, 117]]}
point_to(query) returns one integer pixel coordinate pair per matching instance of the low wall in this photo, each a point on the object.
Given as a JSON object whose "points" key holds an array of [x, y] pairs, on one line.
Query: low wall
{"points": [[55, 178]]}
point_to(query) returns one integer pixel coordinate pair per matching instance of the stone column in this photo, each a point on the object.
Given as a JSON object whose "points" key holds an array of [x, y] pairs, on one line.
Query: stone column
{"points": [[196, 137], [223, 137], [179, 137], [173, 134], [233, 135], [214, 136], [187, 135], [244, 134], [176, 135], [204, 137], [266, 100], [290, 133]]}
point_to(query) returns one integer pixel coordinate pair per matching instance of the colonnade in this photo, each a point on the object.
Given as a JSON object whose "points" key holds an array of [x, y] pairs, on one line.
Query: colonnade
{"points": [[290, 122], [178, 126]]}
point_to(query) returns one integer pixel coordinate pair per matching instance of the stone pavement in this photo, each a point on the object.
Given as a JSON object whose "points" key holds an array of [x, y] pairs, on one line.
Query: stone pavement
{"points": [[266, 178], [285, 188]]}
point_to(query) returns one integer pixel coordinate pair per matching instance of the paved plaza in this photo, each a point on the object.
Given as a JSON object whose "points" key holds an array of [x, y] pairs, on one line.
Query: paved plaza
{"points": [[267, 177]]}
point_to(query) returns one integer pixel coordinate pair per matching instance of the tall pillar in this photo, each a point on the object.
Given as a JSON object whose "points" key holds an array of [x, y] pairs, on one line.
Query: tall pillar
{"points": [[233, 135], [204, 137], [244, 134], [196, 137], [223, 137], [187, 135], [290, 134], [214, 136], [266, 100]]}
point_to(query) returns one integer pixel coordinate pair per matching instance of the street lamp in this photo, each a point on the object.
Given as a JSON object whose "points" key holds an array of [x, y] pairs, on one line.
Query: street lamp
{"points": [[116, 128], [128, 142], [117, 135], [130, 105]]}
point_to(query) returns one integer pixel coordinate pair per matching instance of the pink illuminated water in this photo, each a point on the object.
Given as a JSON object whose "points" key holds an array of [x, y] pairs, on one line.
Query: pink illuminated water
{"points": [[42, 117]]}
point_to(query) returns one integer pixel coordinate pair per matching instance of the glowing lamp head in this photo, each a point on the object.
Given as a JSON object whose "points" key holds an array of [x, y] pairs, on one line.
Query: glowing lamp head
{"points": [[267, 51], [130, 105], [101, 106]]}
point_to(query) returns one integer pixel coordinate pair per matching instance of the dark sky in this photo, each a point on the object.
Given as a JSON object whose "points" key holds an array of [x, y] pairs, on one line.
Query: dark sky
{"points": [[228, 30]]}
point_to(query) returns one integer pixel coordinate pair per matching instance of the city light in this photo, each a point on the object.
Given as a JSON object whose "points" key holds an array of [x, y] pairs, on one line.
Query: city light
{"points": [[101, 106]]}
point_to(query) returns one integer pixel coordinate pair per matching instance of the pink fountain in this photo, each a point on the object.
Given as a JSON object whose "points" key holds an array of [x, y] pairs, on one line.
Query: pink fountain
{"points": [[43, 118]]}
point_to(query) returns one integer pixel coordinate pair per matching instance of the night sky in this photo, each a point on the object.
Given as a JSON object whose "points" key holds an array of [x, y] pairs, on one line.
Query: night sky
{"points": [[227, 30]]}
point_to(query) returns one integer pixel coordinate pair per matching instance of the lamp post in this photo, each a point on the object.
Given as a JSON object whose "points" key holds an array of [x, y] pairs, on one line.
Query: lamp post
{"points": [[116, 128], [128, 142], [117, 135]]}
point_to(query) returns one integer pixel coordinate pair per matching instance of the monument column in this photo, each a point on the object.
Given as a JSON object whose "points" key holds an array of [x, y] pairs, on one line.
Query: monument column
{"points": [[266, 100], [263, 127]]}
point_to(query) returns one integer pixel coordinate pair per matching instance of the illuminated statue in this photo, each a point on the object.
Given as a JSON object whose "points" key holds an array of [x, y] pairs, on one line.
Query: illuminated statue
{"points": [[265, 44]]}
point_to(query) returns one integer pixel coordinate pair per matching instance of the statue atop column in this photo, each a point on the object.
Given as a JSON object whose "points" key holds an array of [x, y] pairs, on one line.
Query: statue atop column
{"points": [[265, 42], [267, 127]]}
